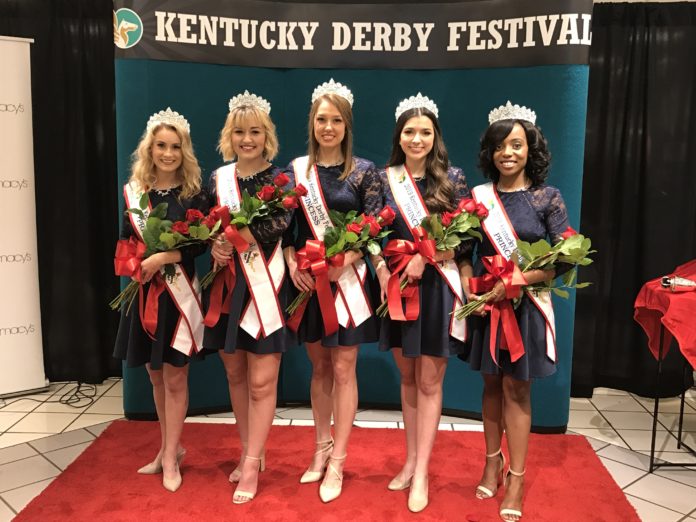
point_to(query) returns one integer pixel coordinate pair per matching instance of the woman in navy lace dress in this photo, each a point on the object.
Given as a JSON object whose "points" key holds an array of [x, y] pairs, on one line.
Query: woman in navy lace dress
{"points": [[165, 168], [336, 180], [421, 345], [250, 340], [515, 157]]}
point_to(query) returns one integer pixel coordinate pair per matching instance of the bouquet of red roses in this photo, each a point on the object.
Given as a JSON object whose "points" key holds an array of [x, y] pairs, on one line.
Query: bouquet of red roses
{"points": [[574, 249], [350, 232], [269, 199], [159, 235], [438, 231]]}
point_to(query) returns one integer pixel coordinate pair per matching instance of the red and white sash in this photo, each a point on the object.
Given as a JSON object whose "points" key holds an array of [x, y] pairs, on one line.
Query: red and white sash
{"points": [[412, 208], [262, 314], [188, 335], [504, 238], [352, 304]]}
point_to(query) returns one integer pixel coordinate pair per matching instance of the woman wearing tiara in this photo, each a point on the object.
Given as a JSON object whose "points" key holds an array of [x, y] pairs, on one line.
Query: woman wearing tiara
{"points": [[250, 344], [418, 181], [165, 168], [335, 180], [515, 157]]}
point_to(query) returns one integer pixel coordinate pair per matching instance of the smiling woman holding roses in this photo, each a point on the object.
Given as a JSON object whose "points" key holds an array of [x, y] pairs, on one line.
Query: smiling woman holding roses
{"points": [[419, 182], [245, 319], [511, 345], [166, 170], [332, 327]]}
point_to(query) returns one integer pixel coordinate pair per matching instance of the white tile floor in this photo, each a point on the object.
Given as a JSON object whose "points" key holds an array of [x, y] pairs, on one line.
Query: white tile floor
{"points": [[40, 436]]}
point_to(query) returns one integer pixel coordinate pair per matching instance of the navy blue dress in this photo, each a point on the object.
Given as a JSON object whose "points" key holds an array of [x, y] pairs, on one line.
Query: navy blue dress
{"points": [[133, 344], [227, 335], [361, 191], [537, 213], [429, 334]]}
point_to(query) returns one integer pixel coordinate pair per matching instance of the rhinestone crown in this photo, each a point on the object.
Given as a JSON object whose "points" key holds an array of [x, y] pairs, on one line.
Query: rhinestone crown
{"points": [[512, 112], [332, 87], [416, 102], [247, 99], [168, 117]]}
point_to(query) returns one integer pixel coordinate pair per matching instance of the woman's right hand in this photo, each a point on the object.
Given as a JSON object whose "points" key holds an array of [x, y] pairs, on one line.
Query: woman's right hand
{"points": [[414, 269]]}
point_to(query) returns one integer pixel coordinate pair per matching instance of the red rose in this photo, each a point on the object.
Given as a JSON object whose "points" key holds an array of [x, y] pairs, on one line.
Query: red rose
{"points": [[209, 221], [290, 202], [301, 190], [387, 216], [468, 205], [481, 210], [181, 227], [266, 193], [355, 227], [193, 214], [372, 223], [568, 232], [446, 218], [281, 180]]}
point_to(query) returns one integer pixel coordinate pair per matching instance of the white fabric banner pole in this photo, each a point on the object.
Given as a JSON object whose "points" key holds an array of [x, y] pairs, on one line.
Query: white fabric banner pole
{"points": [[21, 350]]}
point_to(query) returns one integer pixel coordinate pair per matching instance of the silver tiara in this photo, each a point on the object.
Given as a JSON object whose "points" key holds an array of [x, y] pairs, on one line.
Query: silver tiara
{"points": [[416, 102], [250, 100], [332, 87], [511, 112], [168, 117]]}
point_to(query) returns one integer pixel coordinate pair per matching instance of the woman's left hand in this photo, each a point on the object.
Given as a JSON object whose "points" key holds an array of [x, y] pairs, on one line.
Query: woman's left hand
{"points": [[349, 258], [498, 293], [444, 255]]}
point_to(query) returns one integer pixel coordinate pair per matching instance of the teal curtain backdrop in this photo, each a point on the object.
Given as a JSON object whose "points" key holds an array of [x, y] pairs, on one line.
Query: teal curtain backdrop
{"points": [[201, 92]]}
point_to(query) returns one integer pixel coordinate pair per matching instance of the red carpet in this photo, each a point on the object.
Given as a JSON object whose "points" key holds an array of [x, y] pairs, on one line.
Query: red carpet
{"points": [[565, 480]]}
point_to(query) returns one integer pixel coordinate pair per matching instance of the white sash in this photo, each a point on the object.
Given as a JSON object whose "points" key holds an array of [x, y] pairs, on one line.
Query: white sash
{"points": [[188, 335], [263, 278], [413, 210], [352, 304], [504, 238]]}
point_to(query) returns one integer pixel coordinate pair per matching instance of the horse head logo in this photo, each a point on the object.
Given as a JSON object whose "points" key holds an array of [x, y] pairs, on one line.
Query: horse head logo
{"points": [[128, 28]]}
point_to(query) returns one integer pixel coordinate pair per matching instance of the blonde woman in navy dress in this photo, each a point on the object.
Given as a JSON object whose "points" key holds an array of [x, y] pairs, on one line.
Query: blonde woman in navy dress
{"points": [[515, 157], [251, 345], [347, 183], [418, 181], [165, 167]]}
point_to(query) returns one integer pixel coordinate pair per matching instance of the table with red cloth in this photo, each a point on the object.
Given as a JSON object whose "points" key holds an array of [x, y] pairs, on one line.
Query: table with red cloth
{"points": [[664, 314], [656, 306]]}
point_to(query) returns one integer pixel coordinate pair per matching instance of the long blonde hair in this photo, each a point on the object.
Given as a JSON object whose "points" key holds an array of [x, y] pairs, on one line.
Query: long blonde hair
{"points": [[346, 145], [143, 168], [239, 116]]}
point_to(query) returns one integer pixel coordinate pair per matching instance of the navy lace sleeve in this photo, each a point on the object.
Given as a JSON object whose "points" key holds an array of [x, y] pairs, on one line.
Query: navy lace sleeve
{"points": [[461, 191], [548, 202], [371, 188]]}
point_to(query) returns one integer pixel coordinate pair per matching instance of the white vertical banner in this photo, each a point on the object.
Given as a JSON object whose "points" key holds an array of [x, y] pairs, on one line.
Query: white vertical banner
{"points": [[21, 351]]}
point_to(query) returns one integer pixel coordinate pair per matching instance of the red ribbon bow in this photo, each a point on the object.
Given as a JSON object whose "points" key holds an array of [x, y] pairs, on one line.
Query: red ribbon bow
{"points": [[313, 258], [502, 312], [129, 255], [400, 252]]}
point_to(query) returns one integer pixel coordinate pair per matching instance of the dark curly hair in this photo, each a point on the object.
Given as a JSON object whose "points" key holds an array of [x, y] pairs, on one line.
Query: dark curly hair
{"points": [[538, 159], [439, 191]]}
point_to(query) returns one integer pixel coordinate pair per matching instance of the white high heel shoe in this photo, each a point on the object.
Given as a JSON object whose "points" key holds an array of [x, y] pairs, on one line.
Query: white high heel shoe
{"points": [[329, 493], [324, 446]]}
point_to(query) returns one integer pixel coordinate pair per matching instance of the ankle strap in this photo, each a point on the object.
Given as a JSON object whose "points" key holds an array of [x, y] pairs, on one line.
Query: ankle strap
{"points": [[491, 455], [331, 457], [517, 473], [252, 458]]}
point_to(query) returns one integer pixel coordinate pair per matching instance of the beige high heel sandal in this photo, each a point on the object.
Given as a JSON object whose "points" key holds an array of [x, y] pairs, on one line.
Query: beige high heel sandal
{"points": [[510, 511], [482, 492], [326, 493], [241, 496], [324, 446]]}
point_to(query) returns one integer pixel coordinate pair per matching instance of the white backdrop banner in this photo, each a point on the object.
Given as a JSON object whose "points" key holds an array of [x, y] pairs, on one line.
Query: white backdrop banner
{"points": [[21, 352]]}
